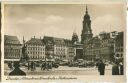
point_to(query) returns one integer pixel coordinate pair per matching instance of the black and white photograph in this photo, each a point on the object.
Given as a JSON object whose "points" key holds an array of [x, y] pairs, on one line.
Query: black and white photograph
{"points": [[64, 39]]}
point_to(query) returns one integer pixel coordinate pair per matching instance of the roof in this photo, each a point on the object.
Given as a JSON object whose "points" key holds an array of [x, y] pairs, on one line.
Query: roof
{"points": [[48, 39], [35, 41], [57, 41], [11, 39]]}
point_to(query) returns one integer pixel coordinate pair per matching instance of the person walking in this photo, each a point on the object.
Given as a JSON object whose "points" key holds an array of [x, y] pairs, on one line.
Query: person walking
{"points": [[101, 67], [50, 65], [17, 71], [45, 65], [28, 66], [115, 69], [121, 69], [42, 66], [32, 66], [10, 65]]}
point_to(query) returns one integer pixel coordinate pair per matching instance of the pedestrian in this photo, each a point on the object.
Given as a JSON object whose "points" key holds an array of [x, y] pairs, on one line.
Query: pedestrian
{"points": [[45, 65], [101, 67], [28, 65], [42, 65], [97, 64], [49, 65], [121, 69], [32, 66], [115, 69], [10, 65], [17, 71]]}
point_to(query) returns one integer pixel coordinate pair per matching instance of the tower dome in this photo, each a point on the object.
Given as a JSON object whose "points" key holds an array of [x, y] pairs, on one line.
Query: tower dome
{"points": [[75, 37], [87, 16]]}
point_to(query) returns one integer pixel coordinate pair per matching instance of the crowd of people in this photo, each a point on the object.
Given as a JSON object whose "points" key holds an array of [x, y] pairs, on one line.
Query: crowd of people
{"points": [[117, 67], [44, 65], [31, 66]]}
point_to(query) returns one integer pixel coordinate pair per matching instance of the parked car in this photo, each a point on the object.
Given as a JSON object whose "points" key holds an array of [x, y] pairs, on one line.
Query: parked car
{"points": [[73, 64], [90, 64], [64, 63], [55, 65], [82, 64]]}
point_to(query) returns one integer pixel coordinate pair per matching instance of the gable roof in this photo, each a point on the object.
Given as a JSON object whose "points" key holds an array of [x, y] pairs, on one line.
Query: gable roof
{"points": [[11, 39], [57, 41], [35, 41]]}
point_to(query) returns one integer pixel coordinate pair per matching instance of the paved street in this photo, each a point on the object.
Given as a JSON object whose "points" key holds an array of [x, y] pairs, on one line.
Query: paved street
{"points": [[63, 70]]}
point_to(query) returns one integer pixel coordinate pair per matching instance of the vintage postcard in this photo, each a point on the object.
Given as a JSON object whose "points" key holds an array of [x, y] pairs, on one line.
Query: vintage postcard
{"points": [[64, 42]]}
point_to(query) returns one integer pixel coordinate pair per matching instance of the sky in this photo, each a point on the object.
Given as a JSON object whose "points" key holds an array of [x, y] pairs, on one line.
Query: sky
{"points": [[60, 20]]}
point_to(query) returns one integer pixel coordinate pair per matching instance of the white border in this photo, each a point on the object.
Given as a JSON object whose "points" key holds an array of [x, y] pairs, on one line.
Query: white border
{"points": [[80, 77]]}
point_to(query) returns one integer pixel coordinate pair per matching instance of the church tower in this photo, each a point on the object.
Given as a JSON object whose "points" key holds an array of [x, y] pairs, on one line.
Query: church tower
{"points": [[86, 32], [75, 38]]}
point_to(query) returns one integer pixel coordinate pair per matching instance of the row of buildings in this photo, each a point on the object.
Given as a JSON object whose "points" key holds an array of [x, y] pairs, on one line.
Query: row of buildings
{"points": [[39, 49], [106, 45]]}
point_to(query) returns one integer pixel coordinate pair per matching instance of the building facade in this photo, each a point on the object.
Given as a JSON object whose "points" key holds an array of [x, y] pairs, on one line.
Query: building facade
{"points": [[107, 45], [12, 48], [92, 49], [35, 49], [49, 46], [101, 46], [59, 48], [70, 50]]}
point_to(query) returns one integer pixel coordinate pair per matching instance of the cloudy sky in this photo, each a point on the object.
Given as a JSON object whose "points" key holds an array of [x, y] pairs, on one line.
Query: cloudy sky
{"points": [[61, 20]]}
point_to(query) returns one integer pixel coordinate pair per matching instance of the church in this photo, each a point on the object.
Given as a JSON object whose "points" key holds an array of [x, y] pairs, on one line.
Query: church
{"points": [[92, 48], [85, 36]]}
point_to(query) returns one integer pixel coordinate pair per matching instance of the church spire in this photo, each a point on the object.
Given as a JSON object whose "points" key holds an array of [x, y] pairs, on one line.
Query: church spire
{"points": [[23, 40], [86, 9]]}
